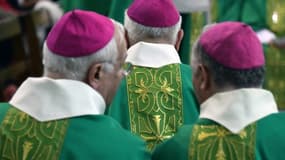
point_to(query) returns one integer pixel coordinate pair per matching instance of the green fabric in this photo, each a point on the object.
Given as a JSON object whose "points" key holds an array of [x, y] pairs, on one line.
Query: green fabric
{"points": [[3, 109], [118, 8], [84, 137], [208, 140], [275, 58], [155, 100], [103, 138], [251, 12], [22, 137], [102, 7], [270, 137], [185, 46], [174, 148], [132, 115], [275, 74], [198, 20], [216, 142]]}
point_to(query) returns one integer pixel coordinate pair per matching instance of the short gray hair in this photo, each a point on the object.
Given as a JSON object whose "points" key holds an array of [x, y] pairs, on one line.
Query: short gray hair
{"points": [[77, 68], [224, 76], [138, 32]]}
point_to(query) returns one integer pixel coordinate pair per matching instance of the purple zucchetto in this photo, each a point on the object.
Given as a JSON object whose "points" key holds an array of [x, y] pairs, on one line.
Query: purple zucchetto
{"points": [[154, 13], [80, 33], [234, 45]]}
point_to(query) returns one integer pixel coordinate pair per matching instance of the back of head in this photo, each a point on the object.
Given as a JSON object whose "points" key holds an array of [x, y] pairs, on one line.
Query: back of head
{"points": [[76, 41], [232, 53], [154, 20]]}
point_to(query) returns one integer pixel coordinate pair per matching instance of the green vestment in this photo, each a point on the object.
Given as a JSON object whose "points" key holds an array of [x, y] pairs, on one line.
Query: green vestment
{"points": [[102, 7], [263, 140], [83, 137], [154, 102]]}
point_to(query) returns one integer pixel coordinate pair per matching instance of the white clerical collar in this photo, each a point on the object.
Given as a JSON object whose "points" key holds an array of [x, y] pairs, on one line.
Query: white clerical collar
{"points": [[153, 55], [239, 108], [47, 99]]}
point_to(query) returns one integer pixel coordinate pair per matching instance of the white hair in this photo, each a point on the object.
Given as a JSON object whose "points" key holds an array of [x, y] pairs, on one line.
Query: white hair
{"points": [[77, 68], [138, 32]]}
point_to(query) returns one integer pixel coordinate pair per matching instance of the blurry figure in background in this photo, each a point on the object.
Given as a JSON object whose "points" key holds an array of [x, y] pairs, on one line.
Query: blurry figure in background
{"points": [[238, 119], [195, 14], [267, 18], [191, 22], [19, 7], [8, 90], [60, 115], [278, 42], [156, 97], [99, 6]]}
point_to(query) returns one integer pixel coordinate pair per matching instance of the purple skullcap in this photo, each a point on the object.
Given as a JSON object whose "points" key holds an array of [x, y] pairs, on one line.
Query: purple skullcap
{"points": [[154, 13], [80, 33], [234, 45]]}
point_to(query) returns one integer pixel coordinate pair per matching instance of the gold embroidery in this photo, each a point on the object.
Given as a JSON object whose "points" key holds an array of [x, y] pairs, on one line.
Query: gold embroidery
{"points": [[25, 138], [216, 142], [27, 146], [155, 100]]}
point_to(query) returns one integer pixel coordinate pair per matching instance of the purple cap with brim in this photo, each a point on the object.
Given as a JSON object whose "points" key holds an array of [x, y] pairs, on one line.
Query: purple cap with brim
{"points": [[154, 13], [234, 45], [80, 33]]}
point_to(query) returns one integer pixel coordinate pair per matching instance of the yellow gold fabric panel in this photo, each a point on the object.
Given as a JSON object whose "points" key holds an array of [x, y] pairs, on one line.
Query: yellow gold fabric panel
{"points": [[198, 21], [155, 102], [275, 57], [24, 138], [216, 142], [276, 16]]}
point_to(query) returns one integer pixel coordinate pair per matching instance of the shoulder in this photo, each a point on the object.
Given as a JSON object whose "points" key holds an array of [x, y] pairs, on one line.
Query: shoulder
{"points": [[270, 137], [3, 109], [176, 147], [101, 133]]}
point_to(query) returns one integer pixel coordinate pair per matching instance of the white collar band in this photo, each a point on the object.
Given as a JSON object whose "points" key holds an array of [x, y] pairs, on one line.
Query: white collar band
{"points": [[47, 99], [153, 55], [239, 108]]}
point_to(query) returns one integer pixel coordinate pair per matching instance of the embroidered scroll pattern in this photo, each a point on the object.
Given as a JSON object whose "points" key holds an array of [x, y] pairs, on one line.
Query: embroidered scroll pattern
{"points": [[216, 142], [25, 138], [155, 100]]}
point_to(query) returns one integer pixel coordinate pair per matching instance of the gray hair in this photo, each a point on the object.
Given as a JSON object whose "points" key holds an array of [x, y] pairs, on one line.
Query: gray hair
{"points": [[138, 32], [227, 77], [77, 68]]}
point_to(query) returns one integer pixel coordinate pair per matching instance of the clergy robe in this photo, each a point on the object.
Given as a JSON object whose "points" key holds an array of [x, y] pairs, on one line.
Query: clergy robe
{"points": [[157, 97], [63, 119], [229, 128]]}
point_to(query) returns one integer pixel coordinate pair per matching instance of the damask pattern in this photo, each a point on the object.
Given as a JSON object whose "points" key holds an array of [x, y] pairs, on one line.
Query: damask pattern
{"points": [[155, 102], [216, 142], [24, 138]]}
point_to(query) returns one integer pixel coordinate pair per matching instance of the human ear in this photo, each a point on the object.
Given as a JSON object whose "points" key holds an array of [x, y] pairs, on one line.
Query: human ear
{"points": [[94, 75], [203, 77], [179, 38], [127, 39]]}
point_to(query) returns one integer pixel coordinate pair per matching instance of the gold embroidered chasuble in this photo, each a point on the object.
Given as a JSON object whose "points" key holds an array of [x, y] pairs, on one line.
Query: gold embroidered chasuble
{"points": [[216, 142], [28, 139], [155, 100]]}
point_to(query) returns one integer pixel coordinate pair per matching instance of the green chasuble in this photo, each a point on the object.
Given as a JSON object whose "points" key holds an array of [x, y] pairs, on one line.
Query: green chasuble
{"points": [[100, 6], [260, 14], [154, 102], [83, 137], [207, 140]]}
